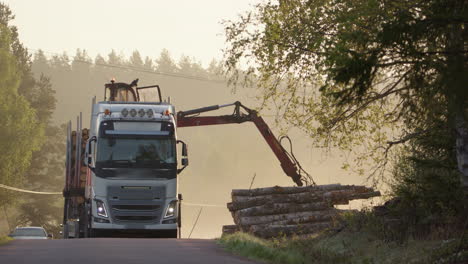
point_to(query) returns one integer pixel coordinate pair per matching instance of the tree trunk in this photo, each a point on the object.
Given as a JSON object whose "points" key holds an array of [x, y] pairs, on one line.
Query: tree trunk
{"points": [[283, 208], [457, 93], [301, 217], [230, 229], [286, 190], [333, 197], [462, 148], [269, 231]]}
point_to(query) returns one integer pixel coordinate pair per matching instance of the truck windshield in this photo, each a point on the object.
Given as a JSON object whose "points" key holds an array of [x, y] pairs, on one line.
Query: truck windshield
{"points": [[127, 152]]}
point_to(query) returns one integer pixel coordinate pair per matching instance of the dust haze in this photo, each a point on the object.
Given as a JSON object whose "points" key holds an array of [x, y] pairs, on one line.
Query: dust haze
{"points": [[221, 157]]}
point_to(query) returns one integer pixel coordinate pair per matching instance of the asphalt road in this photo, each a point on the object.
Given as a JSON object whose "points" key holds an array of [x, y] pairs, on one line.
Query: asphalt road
{"points": [[117, 251]]}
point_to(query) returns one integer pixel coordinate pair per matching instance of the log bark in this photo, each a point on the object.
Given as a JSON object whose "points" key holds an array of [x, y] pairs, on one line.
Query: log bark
{"points": [[300, 220], [269, 231], [333, 197], [283, 208], [285, 190], [273, 211], [318, 216], [230, 229], [299, 198]]}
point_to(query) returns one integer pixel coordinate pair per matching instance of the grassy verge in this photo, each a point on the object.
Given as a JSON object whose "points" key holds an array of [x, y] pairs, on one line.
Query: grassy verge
{"points": [[345, 247], [260, 249], [4, 240]]}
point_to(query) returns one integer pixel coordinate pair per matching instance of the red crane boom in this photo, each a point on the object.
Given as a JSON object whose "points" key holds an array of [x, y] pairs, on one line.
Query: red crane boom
{"points": [[287, 160]]}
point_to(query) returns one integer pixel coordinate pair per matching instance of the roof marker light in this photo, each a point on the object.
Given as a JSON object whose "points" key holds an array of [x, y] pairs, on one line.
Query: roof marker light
{"points": [[124, 112], [167, 112], [107, 112], [149, 113], [133, 112], [141, 112]]}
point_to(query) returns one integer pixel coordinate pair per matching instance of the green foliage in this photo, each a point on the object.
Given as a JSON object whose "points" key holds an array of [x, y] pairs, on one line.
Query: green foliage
{"points": [[430, 197], [22, 133], [347, 246], [365, 75], [259, 249], [4, 240], [165, 62], [27, 106]]}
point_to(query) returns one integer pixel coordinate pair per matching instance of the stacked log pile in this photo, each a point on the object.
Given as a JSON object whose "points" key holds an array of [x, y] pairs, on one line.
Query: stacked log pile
{"points": [[274, 211]]}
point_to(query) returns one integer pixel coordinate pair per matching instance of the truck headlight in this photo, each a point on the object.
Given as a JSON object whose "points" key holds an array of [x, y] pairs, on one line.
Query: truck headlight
{"points": [[100, 208], [171, 209]]}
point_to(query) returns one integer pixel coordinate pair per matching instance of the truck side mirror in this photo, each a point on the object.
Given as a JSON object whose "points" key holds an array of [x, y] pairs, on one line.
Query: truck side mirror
{"points": [[184, 160], [184, 149], [89, 152]]}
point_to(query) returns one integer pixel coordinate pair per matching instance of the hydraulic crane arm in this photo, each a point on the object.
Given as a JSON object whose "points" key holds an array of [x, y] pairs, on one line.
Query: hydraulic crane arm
{"points": [[288, 162]]}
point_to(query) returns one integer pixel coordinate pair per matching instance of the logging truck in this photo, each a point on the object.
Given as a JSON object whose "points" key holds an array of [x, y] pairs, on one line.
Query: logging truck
{"points": [[121, 173]]}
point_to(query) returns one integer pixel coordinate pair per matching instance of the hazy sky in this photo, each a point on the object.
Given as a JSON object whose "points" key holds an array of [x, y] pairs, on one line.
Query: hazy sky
{"points": [[182, 26]]}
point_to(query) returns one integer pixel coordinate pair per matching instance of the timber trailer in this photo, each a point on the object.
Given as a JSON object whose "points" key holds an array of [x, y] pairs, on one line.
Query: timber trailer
{"points": [[121, 173]]}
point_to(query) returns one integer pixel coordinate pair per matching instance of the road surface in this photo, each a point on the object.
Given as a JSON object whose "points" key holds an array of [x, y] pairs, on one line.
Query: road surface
{"points": [[117, 251]]}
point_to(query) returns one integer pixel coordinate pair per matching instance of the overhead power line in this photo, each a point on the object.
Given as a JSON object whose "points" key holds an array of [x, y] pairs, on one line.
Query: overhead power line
{"points": [[27, 191], [203, 205], [137, 69], [196, 221]]}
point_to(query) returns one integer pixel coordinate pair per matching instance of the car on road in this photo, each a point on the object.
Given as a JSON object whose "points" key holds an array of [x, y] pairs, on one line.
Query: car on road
{"points": [[30, 232]]}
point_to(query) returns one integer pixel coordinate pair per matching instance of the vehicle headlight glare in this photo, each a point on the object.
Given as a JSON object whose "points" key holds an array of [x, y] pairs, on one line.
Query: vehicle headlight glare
{"points": [[124, 112], [100, 208], [171, 209], [133, 113], [149, 113]]}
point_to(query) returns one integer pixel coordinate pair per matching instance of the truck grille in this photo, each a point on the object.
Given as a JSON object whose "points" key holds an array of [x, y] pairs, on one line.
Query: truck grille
{"points": [[136, 204], [136, 207], [136, 211], [136, 218]]}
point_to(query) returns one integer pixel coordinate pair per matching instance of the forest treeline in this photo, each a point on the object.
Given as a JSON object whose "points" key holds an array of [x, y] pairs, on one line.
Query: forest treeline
{"points": [[78, 77]]}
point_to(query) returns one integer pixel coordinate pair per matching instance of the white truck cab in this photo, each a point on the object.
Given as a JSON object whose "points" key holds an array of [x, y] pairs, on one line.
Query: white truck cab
{"points": [[131, 168]]}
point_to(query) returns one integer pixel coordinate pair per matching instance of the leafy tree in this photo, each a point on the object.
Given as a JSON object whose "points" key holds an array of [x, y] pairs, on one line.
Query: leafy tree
{"points": [[148, 63], [22, 133], [165, 63], [135, 60], [190, 67], [41, 63], [215, 69], [362, 75], [98, 60], [81, 62], [27, 106], [114, 58]]}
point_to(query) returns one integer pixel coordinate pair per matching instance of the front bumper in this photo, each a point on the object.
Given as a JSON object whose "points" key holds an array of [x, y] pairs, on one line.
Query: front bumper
{"points": [[134, 214], [135, 226]]}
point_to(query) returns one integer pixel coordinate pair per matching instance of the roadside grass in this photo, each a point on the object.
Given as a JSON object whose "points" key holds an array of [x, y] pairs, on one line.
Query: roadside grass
{"points": [[4, 240], [345, 247], [260, 249]]}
